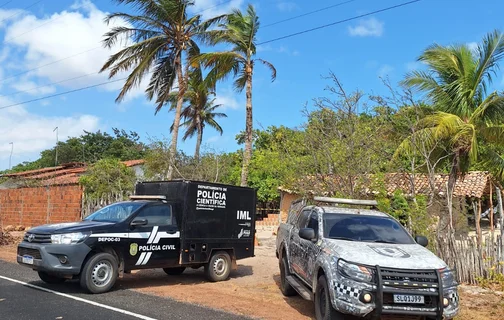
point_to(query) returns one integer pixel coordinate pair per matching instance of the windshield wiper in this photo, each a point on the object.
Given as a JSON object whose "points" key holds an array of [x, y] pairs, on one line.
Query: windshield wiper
{"points": [[342, 238], [384, 241]]}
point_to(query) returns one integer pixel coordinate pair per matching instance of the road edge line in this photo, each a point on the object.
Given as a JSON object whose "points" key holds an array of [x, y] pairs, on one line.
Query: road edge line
{"points": [[136, 315]]}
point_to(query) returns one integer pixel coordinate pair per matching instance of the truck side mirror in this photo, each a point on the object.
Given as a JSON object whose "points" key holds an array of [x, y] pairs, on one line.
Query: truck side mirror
{"points": [[307, 234], [138, 222], [421, 240]]}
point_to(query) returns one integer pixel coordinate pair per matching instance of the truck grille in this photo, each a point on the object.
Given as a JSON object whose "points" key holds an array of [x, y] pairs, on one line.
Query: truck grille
{"points": [[409, 278], [37, 238], [426, 283], [35, 253]]}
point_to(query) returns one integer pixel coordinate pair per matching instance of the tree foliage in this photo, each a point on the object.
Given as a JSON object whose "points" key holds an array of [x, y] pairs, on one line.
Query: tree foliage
{"points": [[89, 147], [108, 176]]}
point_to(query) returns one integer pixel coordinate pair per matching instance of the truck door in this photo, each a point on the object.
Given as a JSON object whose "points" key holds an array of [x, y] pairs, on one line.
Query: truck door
{"points": [[310, 248], [154, 238], [296, 250]]}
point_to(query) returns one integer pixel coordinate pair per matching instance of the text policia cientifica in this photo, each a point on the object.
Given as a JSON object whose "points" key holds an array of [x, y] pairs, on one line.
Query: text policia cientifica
{"points": [[211, 197]]}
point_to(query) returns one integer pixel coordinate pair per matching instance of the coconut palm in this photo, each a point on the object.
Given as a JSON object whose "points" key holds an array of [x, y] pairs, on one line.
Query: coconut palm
{"points": [[162, 35], [239, 30], [456, 84], [199, 110]]}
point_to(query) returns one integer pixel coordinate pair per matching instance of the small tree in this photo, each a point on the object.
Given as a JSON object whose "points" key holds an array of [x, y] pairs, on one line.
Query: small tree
{"points": [[105, 182]]}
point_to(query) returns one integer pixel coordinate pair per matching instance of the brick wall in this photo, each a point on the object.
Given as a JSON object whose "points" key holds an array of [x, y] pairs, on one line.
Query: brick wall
{"points": [[35, 206]]}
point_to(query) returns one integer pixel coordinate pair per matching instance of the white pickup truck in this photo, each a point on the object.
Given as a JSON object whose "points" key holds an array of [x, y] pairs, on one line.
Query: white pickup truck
{"points": [[361, 262]]}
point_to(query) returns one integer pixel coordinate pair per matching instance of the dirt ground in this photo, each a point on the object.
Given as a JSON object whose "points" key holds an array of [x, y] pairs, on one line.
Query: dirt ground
{"points": [[252, 290]]}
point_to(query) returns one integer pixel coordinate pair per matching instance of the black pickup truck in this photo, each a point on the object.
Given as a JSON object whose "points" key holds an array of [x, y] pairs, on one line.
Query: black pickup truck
{"points": [[170, 225]]}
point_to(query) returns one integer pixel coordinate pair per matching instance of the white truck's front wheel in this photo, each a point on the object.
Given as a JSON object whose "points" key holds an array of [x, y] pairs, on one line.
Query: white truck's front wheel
{"points": [[99, 274]]}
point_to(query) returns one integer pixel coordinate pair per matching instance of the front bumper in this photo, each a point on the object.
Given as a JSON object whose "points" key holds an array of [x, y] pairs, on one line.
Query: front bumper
{"points": [[46, 257], [347, 295]]}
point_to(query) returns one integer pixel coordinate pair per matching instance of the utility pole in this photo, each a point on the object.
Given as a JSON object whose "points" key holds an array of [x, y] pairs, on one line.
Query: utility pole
{"points": [[10, 157], [56, 161]]}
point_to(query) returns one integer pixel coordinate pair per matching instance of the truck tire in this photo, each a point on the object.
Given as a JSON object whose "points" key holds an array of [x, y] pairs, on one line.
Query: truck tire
{"points": [[323, 306], [48, 278], [285, 287], [174, 271], [99, 274], [219, 267]]}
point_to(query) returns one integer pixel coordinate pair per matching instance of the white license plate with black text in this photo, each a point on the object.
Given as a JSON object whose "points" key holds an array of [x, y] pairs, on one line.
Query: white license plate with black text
{"points": [[407, 298], [28, 259]]}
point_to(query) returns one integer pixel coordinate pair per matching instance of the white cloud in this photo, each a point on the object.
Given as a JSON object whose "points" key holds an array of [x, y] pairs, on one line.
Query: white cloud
{"points": [[385, 71], [211, 8], [473, 46], [228, 101], [33, 133], [31, 87], [414, 65], [77, 32], [287, 6], [365, 28]]}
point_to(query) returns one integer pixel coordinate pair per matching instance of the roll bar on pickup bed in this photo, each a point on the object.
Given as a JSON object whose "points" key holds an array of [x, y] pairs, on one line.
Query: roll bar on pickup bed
{"points": [[346, 201]]}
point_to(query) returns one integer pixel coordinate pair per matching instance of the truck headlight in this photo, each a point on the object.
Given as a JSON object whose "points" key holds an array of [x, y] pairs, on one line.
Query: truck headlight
{"points": [[448, 278], [355, 272], [68, 238]]}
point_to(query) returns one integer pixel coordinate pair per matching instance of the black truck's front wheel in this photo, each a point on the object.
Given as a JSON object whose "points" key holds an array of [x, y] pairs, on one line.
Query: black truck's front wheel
{"points": [[219, 267], [174, 271], [48, 278], [99, 274], [323, 306]]}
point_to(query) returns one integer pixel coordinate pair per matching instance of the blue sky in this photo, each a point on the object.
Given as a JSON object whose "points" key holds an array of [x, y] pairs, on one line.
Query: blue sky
{"points": [[358, 52]]}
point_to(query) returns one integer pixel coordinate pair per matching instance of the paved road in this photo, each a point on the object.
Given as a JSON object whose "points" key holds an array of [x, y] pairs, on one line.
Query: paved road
{"points": [[19, 301]]}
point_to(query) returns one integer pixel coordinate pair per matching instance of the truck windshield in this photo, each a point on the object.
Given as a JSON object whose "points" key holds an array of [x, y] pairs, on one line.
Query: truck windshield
{"points": [[364, 228], [115, 212]]}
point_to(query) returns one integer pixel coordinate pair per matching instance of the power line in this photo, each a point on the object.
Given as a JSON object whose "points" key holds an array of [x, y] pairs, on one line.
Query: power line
{"points": [[215, 6], [3, 5], [49, 84], [308, 13], [18, 13], [48, 64], [338, 22], [77, 54], [61, 93], [43, 24]]}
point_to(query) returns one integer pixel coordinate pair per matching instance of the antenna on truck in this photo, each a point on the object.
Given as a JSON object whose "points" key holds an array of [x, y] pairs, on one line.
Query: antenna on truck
{"points": [[372, 203]]}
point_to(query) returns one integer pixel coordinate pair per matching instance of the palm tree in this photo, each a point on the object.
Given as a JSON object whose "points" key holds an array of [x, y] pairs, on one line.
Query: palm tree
{"points": [[199, 111], [240, 31], [162, 34], [464, 115]]}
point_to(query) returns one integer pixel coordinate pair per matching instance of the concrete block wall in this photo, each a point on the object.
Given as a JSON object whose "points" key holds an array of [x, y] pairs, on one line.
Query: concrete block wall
{"points": [[35, 206]]}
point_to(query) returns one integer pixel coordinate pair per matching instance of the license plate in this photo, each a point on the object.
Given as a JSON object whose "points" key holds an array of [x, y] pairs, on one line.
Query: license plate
{"points": [[28, 259], [405, 298]]}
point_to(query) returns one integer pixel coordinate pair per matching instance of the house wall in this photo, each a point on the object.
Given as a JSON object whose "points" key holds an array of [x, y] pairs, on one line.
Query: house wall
{"points": [[285, 202], [35, 206]]}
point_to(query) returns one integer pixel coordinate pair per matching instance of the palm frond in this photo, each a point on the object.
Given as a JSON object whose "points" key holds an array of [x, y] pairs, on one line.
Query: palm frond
{"points": [[271, 67], [494, 163]]}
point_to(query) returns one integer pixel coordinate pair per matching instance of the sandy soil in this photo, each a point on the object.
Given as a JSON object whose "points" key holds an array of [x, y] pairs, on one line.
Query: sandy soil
{"points": [[252, 290]]}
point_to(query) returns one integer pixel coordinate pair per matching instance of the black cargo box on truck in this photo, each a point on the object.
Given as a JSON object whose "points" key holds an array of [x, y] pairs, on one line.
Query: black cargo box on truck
{"points": [[210, 216]]}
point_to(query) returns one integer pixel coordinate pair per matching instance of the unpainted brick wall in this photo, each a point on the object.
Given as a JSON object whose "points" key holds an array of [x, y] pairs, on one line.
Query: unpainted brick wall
{"points": [[35, 206]]}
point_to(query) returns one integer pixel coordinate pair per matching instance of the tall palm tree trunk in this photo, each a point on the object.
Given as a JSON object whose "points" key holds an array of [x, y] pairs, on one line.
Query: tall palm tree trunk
{"points": [[176, 121], [248, 130], [452, 179], [198, 140]]}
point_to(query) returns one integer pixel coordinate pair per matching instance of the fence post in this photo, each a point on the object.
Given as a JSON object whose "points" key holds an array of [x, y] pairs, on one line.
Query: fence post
{"points": [[499, 199]]}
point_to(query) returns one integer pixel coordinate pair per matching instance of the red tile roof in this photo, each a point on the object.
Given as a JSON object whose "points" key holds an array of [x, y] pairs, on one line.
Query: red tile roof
{"points": [[67, 173], [473, 184]]}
